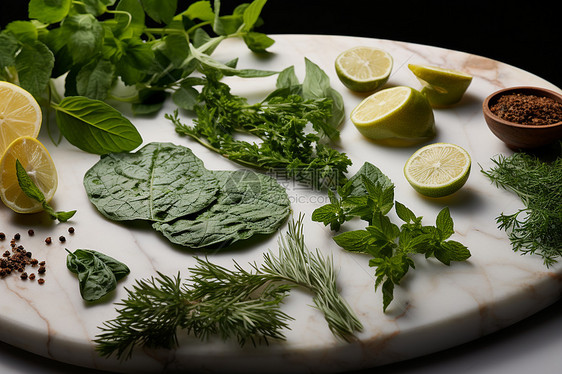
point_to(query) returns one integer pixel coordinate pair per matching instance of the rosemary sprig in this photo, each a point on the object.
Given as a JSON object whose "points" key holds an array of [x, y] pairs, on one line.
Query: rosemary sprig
{"points": [[217, 301], [537, 228]]}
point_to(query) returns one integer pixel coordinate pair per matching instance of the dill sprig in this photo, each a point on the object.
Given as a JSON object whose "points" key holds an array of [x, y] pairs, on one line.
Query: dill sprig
{"points": [[231, 304], [536, 228]]}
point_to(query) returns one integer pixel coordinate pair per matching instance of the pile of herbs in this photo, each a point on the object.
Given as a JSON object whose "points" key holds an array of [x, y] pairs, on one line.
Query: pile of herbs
{"points": [[536, 228], [229, 304], [98, 44], [369, 195], [294, 127]]}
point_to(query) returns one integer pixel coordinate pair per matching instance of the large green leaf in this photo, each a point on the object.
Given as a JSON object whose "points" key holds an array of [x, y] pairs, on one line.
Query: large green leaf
{"points": [[95, 127], [159, 182], [249, 203], [49, 11]]}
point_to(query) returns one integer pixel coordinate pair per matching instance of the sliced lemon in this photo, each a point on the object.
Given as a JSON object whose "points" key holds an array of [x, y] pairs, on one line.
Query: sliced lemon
{"points": [[364, 69], [398, 114], [442, 87], [20, 114], [38, 164], [438, 169]]}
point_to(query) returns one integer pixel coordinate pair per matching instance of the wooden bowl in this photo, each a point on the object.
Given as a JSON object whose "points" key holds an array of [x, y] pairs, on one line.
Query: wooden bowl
{"points": [[518, 136]]}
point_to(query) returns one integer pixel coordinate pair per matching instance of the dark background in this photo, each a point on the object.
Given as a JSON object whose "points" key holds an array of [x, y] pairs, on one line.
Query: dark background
{"points": [[526, 35]]}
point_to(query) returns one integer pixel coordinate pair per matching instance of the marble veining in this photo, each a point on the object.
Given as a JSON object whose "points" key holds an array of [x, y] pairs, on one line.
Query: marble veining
{"points": [[436, 307]]}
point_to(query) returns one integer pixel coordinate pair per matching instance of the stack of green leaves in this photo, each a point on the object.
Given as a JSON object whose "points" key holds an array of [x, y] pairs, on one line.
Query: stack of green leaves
{"points": [[98, 44], [369, 195], [168, 186]]}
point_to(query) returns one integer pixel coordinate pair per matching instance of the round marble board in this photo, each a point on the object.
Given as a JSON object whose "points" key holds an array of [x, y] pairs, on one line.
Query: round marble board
{"points": [[435, 307]]}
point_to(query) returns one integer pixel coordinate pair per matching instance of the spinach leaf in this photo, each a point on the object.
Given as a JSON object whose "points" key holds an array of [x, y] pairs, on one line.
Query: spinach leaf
{"points": [[249, 203], [95, 127], [97, 273], [159, 182]]}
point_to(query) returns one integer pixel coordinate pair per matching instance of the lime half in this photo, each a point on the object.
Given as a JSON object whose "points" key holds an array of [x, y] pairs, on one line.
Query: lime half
{"points": [[438, 169], [398, 113], [364, 69], [442, 87]]}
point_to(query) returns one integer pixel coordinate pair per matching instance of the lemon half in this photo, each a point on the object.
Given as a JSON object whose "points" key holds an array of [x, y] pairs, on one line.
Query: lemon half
{"points": [[40, 167], [364, 69], [398, 113], [438, 169], [20, 114]]}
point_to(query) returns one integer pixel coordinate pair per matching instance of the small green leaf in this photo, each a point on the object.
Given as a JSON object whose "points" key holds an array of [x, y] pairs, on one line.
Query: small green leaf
{"points": [[8, 48], [49, 11], [252, 13], [95, 127], [84, 36], [26, 184], [95, 79], [444, 223], [257, 42], [404, 213], [354, 241]]}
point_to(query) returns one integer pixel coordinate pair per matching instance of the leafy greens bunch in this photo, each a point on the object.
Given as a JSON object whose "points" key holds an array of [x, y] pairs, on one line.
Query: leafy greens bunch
{"points": [[293, 127], [536, 228], [230, 304], [98, 43], [369, 195]]}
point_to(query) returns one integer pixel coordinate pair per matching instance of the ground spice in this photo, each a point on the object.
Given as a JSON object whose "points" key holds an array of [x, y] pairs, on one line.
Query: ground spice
{"points": [[528, 109]]}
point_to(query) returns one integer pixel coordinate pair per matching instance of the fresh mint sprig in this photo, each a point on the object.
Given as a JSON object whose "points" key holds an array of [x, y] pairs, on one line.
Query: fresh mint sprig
{"points": [[31, 190], [369, 195]]}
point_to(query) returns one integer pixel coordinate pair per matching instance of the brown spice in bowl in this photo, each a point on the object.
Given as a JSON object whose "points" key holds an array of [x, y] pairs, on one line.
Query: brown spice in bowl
{"points": [[528, 109]]}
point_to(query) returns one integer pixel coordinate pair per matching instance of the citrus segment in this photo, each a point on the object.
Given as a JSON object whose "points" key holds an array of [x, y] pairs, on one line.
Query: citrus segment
{"points": [[395, 113], [364, 69], [438, 169], [38, 164], [442, 87], [20, 115]]}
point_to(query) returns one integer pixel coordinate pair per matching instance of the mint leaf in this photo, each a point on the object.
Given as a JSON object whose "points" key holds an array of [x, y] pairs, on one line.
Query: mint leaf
{"points": [[34, 64], [84, 35], [8, 47], [161, 11], [31, 190], [95, 79], [355, 241], [51, 11], [444, 223]]}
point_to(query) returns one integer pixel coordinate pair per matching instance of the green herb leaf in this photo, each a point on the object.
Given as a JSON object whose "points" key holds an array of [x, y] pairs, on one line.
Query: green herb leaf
{"points": [[159, 182], [95, 127], [34, 64], [31, 190], [97, 273], [84, 36]]}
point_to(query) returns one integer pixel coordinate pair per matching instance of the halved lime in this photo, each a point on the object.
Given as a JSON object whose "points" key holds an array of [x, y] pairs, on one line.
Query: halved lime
{"points": [[438, 169], [398, 113], [364, 69], [442, 87]]}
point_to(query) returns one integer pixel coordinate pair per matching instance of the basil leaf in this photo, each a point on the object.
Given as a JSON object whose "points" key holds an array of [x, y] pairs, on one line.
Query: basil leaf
{"points": [[249, 203], [95, 127], [252, 13], [159, 182], [49, 11], [97, 273]]}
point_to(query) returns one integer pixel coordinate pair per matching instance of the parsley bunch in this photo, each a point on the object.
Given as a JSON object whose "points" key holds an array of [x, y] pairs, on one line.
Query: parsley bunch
{"points": [[369, 195]]}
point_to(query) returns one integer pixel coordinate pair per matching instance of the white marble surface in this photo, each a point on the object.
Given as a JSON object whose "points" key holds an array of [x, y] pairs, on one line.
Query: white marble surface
{"points": [[436, 307]]}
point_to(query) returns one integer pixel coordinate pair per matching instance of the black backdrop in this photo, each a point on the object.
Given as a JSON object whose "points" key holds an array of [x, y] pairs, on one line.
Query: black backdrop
{"points": [[525, 35]]}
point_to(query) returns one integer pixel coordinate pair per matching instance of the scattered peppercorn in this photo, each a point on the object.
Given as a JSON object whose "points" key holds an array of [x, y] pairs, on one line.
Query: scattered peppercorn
{"points": [[32, 276], [2, 236], [23, 275], [17, 260], [41, 281], [62, 238], [30, 232], [48, 240], [71, 230], [17, 236]]}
